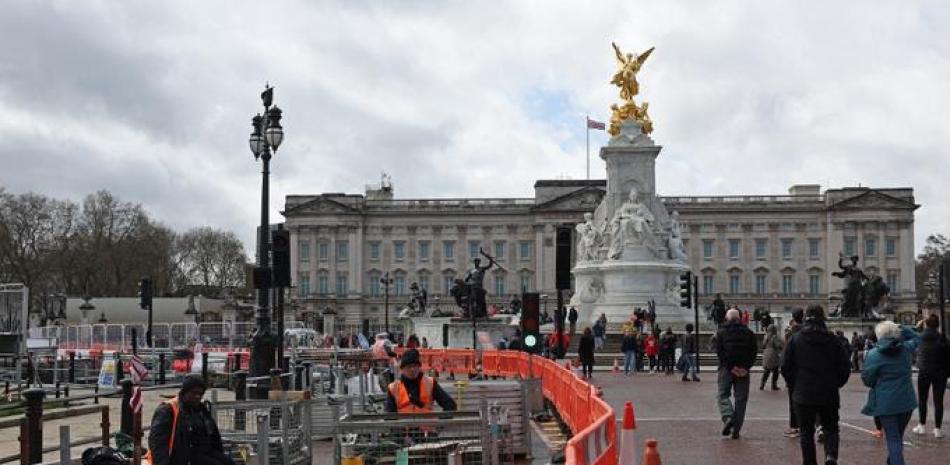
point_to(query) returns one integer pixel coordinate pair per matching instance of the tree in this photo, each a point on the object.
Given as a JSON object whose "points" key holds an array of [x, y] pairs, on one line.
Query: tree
{"points": [[936, 250], [211, 260]]}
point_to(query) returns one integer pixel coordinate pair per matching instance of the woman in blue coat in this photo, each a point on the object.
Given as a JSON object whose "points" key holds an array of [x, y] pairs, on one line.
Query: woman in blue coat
{"points": [[887, 371]]}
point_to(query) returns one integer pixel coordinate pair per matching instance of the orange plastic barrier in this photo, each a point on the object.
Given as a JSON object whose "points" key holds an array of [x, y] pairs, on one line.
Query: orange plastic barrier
{"points": [[590, 418]]}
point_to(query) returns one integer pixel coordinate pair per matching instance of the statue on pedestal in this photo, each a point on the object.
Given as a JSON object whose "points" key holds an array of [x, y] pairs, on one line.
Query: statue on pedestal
{"points": [[589, 239], [862, 294], [470, 293], [626, 79], [675, 242], [417, 302]]}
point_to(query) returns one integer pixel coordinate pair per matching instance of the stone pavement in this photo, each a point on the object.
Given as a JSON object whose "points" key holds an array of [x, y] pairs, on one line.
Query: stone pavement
{"points": [[684, 418]]}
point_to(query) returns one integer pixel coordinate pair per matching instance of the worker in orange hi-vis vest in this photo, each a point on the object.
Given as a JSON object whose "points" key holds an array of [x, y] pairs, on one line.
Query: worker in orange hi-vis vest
{"points": [[183, 430], [414, 392]]}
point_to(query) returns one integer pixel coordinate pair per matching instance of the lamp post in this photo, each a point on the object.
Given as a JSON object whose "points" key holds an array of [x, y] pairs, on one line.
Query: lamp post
{"points": [[266, 137], [192, 311], [386, 281]]}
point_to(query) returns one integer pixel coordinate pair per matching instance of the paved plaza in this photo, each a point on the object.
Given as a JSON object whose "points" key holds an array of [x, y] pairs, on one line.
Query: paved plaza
{"points": [[684, 418]]}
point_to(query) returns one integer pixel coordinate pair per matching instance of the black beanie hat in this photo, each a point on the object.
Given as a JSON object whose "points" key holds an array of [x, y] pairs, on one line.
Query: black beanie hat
{"points": [[190, 382], [410, 357]]}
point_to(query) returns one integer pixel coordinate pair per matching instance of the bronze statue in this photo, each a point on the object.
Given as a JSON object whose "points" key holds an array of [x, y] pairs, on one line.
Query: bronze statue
{"points": [[470, 293], [862, 294]]}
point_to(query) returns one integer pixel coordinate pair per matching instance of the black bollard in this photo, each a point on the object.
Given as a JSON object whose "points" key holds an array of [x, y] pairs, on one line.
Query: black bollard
{"points": [[161, 368], [95, 391], [66, 391], [240, 394], [34, 419], [286, 366], [237, 362], [72, 367], [204, 367], [57, 389], [298, 378], [126, 425], [118, 368], [135, 341]]}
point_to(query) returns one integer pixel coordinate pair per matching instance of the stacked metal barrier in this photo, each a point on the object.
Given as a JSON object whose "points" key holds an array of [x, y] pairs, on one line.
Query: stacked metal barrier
{"points": [[505, 394], [415, 439]]}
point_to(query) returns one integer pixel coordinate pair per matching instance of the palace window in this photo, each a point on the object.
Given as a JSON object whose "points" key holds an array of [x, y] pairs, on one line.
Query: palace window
{"points": [[787, 284], [733, 248], [448, 250], [341, 285], [870, 247], [399, 285], [707, 248], [761, 286], [473, 247], [374, 285], [735, 286], [814, 248], [787, 248], [499, 250], [814, 284], [890, 247], [525, 250], [708, 285], [761, 248], [500, 285], [303, 284], [323, 251], [342, 251], [399, 250], [893, 283], [323, 284], [424, 247], [849, 246], [304, 251], [374, 250]]}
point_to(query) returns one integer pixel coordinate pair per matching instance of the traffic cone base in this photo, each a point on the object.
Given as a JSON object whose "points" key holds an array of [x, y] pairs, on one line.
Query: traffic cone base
{"points": [[651, 454]]}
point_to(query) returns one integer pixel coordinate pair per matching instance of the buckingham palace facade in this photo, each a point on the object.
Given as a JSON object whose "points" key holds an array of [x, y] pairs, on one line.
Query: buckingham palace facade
{"points": [[774, 252]]}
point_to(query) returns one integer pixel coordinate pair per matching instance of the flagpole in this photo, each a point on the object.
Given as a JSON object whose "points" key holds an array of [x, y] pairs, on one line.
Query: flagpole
{"points": [[587, 127]]}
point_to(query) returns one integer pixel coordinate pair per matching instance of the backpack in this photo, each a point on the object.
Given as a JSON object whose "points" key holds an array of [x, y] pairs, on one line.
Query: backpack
{"points": [[104, 455]]}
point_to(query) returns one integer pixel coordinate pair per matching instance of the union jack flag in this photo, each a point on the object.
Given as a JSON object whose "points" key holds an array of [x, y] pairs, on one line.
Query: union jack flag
{"points": [[594, 124], [139, 373]]}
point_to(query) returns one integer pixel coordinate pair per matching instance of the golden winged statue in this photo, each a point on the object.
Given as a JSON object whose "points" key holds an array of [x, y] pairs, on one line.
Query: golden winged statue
{"points": [[626, 79], [626, 76]]}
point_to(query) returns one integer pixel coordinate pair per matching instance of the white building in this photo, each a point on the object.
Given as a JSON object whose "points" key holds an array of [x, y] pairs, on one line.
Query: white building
{"points": [[775, 251]]}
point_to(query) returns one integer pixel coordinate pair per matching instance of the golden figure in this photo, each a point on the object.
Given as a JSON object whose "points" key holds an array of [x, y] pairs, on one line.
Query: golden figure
{"points": [[626, 76], [626, 79]]}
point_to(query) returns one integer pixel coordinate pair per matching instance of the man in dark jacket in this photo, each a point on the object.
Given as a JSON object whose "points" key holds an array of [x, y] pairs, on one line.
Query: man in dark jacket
{"points": [[718, 310], [196, 440], [736, 349], [933, 363], [572, 320], [406, 395], [815, 366]]}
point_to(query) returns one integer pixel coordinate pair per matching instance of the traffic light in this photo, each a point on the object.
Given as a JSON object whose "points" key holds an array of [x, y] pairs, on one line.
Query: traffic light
{"points": [[280, 246], [145, 293], [531, 322], [686, 290]]}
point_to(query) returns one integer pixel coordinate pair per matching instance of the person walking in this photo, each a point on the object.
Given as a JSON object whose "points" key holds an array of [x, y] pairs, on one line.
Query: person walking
{"points": [[688, 346], [572, 320], [793, 431], [815, 367], [600, 332], [736, 349], [667, 351], [771, 357], [718, 310], [629, 348], [651, 347], [585, 351], [933, 364], [888, 372], [183, 430]]}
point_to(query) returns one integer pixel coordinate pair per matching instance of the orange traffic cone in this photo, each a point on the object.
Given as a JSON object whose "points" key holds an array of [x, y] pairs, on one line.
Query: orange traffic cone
{"points": [[651, 455], [616, 366], [628, 442]]}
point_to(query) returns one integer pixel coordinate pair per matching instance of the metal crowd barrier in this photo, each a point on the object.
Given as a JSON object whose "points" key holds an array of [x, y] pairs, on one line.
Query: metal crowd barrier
{"points": [[414, 439], [277, 432]]}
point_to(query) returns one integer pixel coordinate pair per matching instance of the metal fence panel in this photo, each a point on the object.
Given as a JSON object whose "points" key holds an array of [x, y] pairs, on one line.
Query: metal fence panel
{"points": [[288, 429], [420, 439]]}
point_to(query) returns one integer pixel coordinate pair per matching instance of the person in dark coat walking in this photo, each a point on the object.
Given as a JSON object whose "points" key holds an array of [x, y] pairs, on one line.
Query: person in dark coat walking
{"points": [[585, 351], [630, 346], [798, 317], [933, 363], [815, 367], [736, 349], [572, 320], [771, 357], [718, 310], [183, 431]]}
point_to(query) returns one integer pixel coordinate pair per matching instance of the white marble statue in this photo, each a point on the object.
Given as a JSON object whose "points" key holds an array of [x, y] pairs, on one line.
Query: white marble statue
{"points": [[636, 221], [615, 250], [589, 239], [675, 242]]}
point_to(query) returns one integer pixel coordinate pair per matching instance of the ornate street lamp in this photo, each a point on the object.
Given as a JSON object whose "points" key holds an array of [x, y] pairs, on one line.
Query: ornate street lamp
{"points": [[192, 311], [266, 136], [386, 281]]}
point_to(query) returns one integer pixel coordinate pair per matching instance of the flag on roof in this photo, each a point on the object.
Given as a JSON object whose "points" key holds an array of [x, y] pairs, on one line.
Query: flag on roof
{"points": [[594, 124]]}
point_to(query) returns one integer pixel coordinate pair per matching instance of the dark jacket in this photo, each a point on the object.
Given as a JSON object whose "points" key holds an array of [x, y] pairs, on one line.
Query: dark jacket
{"points": [[585, 351], [667, 344], [629, 343], [439, 396], [688, 343], [572, 316], [196, 433], [735, 346], [933, 356], [515, 344], [888, 372], [815, 365]]}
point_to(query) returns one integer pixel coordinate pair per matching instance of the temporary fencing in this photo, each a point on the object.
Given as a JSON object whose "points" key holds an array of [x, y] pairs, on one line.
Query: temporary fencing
{"points": [[591, 420]]}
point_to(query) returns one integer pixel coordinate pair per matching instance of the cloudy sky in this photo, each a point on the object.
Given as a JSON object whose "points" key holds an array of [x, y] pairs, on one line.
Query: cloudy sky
{"points": [[152, 100]]}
